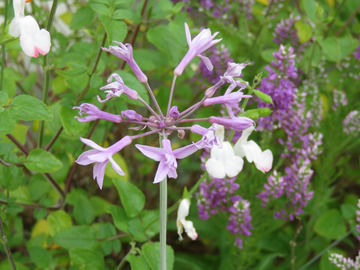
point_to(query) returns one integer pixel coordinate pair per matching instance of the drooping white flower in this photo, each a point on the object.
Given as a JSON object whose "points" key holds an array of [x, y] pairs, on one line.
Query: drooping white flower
{"points": [[33, 40], [183, 224], [251, 150], [223, 161]]}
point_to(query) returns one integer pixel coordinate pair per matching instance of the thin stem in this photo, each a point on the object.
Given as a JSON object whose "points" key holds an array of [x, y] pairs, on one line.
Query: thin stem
{"points": [[3, 50], [121, 264], [192, 120], [148, 88], [149, 108], [144, 134], [48, 176], [6, 246], [47, 74], [35, 206], [163, 217], [192, 109], [348, 21], [171, 94], [335, 243], [53, 140]]}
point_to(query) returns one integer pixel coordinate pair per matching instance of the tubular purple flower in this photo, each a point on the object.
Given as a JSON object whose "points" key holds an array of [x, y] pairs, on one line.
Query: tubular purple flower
{"points": [[203, 41], [166, 157], [174, 112], [131, 115], [209, 138], [101, 156], [94, 113], [236, 123], [116, 88], [125, 52], [234, 70], [231, 99]]}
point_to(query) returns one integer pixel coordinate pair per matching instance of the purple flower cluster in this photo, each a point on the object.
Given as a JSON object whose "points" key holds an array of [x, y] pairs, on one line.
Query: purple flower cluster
{"points": [[286, 32], [280, 84], [300, 145], [218, 195], [357, 53], [339, 99], [351, 123], [220, 57], [345, 263]]}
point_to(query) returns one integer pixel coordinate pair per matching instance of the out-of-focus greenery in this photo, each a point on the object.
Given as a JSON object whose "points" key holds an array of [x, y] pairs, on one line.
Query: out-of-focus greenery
{"points": [[53, 214]]}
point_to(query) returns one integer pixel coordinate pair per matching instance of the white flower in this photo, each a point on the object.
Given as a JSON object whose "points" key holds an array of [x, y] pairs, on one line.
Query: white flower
{"points": [[262, 159], [33, 41], [182, 223], [223, 161]]}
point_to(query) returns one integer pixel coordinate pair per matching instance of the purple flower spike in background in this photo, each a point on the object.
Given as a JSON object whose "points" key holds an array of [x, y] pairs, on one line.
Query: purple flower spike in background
{"points": [[101, 156], [117, 88], [167, 158], [203, 41], [94, 113], [125, 52]]}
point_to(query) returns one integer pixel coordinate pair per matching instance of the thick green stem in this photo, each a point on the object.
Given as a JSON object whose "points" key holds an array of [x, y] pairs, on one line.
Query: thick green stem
{"points": [[47, 73], [6, 246], [163, 217]]}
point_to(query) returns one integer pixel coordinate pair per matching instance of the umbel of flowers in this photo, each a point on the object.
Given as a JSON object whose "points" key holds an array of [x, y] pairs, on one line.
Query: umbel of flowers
{"points": [[176, 122]]}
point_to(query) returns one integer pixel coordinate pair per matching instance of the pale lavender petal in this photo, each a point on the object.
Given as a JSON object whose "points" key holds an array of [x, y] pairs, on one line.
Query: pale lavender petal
{"points": [[99, 156], [98, 173], [131, 115], [172, 173], [206, 62], [187, 34], [154, 153], [166, 145], [116, 167], [83, 159], [199, 129], [92, 144], [161, 172], [185, 151]]}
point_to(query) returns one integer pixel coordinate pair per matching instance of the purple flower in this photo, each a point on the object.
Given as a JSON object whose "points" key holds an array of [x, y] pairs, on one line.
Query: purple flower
{"points": [[236, 123], [203, 41], [167, 158], [101, 156], [94, 113], [209, 138], [174, 112], [231, 99], [352, 123], [234, 70], [125, 52], [117, 88], [131, 115]]}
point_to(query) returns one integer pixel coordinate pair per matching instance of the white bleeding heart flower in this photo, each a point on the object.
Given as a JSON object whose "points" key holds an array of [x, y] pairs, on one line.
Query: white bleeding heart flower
{"points": [[183, 224], [251, 150], [33, 40]]}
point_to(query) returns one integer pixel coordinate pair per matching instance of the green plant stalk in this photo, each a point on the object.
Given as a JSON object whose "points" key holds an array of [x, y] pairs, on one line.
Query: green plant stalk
{"points": [[6, 246], [163, 217], [3, 51], [47, 74]]}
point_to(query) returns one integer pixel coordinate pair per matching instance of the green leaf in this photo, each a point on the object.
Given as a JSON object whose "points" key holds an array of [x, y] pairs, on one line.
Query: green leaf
{"points": [[82, 237], [131, 81], [40, 256], [72, 126], [83, 210], [151, 252], [268, 55], [330, 225], [119, 217], [254, 114], [12, 177], [304, 31], [87, 259], [115, 30], [310, 9], [81, 18], [137, 262], [348, 211], [264, 97], [58, 221], [28, 108], [3, 98], [336, 49], [131, 197], [7, 122], [41, 161]]}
